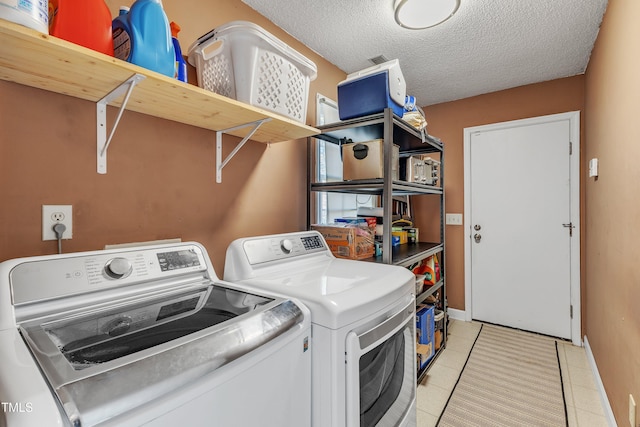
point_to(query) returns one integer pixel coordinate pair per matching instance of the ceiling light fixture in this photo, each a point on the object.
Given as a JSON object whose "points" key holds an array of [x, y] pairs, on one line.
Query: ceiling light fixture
{"points": [[421, 14]]}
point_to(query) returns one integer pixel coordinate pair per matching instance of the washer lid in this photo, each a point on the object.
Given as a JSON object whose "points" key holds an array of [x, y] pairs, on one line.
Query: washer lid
{"points": [[111, 360], [337, 291]]}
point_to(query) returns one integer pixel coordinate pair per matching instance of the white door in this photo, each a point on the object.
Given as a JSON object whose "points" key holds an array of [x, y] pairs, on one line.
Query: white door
{"points": [[520, 224]]}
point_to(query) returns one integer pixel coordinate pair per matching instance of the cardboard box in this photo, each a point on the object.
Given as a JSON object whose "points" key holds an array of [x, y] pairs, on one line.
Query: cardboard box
{"points": [[424, 353], [413, 234], [425, 325], [367, 221], [401, 233], [425, 335], [437, 336], [365, 160], [346, 241]]}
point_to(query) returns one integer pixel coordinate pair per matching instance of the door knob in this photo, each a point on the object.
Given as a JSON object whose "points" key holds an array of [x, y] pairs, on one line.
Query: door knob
{"points": [[477, 237]]}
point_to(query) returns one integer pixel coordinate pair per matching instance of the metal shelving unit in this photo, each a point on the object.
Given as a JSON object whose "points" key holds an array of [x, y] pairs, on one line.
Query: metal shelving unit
{"points": [[393, 130]]}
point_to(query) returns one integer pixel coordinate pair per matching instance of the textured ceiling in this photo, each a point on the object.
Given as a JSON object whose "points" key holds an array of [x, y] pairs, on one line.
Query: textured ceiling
{"points": [[488, 45]]}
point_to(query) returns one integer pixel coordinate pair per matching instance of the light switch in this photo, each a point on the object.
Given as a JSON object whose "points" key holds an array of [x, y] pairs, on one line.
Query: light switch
{"points": [[453, 219], [593, 168]]}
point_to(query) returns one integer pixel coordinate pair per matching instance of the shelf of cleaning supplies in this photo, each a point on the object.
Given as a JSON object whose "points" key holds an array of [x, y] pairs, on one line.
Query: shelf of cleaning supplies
{"points": [[34, 59]]}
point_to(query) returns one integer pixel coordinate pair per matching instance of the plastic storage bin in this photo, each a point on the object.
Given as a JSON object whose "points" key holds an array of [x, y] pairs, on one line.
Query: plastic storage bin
{"points": [[241, 60], [371, 90], [365, 160]]}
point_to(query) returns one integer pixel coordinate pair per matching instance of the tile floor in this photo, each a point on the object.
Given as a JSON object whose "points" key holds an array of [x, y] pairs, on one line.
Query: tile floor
{"points": [[584, 408]]}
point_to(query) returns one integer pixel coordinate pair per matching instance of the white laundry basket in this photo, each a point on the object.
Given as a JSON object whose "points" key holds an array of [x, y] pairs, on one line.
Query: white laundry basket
{"points": [[241, 60]]}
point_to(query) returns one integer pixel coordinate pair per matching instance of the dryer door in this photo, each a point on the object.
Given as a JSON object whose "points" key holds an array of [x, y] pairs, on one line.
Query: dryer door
{"points": [[381, 373]]}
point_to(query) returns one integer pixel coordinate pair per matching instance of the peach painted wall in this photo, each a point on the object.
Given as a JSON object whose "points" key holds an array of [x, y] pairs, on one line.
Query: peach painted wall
{"points": [[448, 121], [161, 174], [613, 205]]}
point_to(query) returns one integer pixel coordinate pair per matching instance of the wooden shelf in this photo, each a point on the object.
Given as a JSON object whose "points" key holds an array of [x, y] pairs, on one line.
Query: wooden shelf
{"points": [[34, 59]]}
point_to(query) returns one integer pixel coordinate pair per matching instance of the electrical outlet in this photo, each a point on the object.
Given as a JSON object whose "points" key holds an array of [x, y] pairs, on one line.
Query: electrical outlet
{"points": [[632, 411], [53, 214]]}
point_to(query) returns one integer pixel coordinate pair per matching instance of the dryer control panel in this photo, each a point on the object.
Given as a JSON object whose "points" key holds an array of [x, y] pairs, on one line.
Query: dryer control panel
{"points": [[283, 246]]}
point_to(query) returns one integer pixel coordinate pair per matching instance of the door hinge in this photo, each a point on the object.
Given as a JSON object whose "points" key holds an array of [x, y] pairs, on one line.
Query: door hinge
{"points": [[571, 311], [570, 226], [570, 148]]}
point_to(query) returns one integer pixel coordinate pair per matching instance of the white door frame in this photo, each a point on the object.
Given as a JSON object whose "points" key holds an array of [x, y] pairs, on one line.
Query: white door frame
{"points": [[574, 123]]}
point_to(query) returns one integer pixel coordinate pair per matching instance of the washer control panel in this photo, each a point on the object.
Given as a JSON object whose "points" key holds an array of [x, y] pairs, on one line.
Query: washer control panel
{"points": [[58, 276], [118, 267], [286, 246]]}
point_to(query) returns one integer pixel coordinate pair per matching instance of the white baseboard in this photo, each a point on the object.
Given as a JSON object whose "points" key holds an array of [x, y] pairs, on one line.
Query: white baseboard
{"points": [[608, 412], [456, 314]]}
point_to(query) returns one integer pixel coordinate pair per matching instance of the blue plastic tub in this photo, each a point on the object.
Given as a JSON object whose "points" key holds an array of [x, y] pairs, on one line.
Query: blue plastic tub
{"points": [[372, 90]]}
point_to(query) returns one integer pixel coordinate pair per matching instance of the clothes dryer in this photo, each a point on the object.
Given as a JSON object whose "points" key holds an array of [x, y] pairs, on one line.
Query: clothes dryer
{"points": [[363, 325]]}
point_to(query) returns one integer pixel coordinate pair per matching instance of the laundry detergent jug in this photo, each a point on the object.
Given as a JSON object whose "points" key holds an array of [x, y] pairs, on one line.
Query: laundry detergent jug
{"points": [[141, 35], [29, 13], [83, 22]]}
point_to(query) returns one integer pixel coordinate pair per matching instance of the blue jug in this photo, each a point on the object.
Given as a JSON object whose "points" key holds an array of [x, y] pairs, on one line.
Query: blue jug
{"points": [[142, 36]]}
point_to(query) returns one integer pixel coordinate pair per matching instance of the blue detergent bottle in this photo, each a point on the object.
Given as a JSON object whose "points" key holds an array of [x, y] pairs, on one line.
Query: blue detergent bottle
{"points": [[141, 35]]}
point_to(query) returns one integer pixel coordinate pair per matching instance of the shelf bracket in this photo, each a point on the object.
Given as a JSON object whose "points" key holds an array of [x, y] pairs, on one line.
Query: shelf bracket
{"points": [[220, 164], [101, 118]]}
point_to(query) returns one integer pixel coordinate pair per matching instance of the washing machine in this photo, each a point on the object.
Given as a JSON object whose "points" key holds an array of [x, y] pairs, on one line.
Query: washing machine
{"points": [[147, 336], [362, 325]]}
